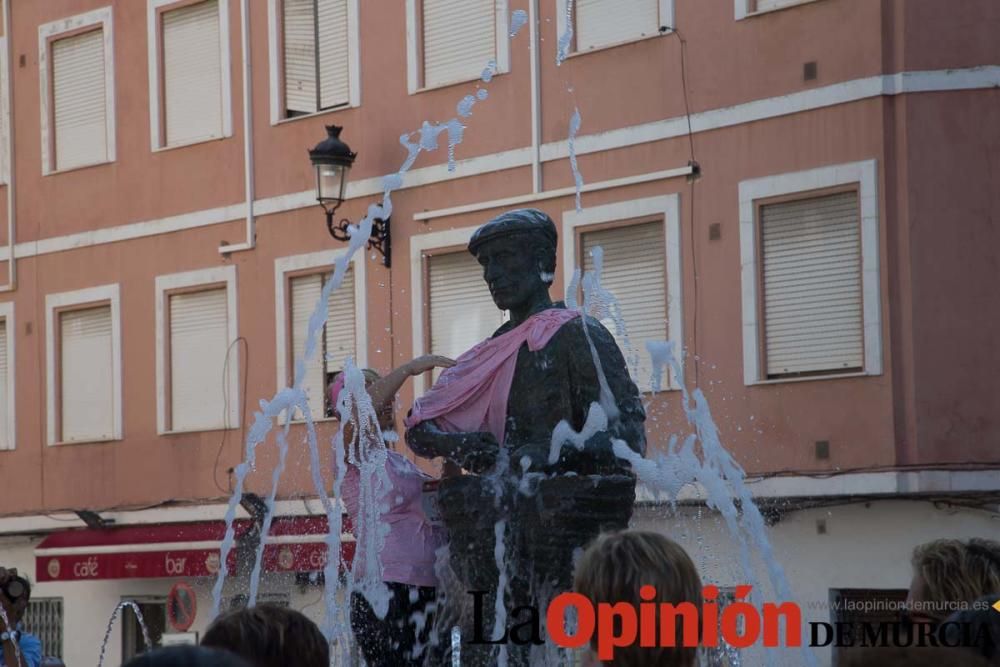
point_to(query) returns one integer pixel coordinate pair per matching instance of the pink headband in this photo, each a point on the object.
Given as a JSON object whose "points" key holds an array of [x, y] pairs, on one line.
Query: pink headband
{"points": [[335, 390]]}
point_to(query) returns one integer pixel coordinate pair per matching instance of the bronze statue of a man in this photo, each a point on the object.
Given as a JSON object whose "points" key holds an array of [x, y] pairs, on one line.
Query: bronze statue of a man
{"points": [[495, 413]]}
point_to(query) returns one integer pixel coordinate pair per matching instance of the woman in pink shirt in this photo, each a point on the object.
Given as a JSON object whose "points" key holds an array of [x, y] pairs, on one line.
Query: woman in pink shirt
{"points": [[407, 556]]}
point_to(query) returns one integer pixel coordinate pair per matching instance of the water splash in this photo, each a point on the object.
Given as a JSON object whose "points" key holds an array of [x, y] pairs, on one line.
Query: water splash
{"points": [[518, 19], [111, 623], [715, 470], [566, 38], [464, 108], [287, 400], [500, 609], [574, 128]]}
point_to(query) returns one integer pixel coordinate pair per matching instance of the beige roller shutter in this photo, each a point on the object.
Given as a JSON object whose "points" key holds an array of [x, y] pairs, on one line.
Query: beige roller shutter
{"points": [[5, 442], [334, 59], [192, 73], [459, 39], [336, 342], [635, 272], [299, 23], [604, 22], [462, 312], [812, 285], [80, 113], [199, 339], [340, 324], [86, 386]]}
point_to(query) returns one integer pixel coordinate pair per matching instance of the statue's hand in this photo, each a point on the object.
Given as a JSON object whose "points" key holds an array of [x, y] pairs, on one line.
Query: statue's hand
{"points": [[478, 451]]}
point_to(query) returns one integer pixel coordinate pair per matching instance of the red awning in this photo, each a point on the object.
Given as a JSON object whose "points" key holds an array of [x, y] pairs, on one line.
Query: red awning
{"points": [[295, 544]]}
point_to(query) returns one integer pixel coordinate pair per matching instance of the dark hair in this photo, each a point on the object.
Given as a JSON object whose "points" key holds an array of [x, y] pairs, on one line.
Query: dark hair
{"points": [[186, 656], [616, 566], [270, 636]]}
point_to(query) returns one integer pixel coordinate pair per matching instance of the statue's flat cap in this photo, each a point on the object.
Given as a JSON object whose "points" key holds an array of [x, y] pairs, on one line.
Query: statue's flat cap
{"points": [[509, 223]]}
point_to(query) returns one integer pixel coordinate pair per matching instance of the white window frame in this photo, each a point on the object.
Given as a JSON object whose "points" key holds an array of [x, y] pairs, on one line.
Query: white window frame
{"points": [[315, 262], [666, 19], [5, 136], [49, 33], [744, 8], [414, 55], [154, 39], [165, 285], [92, 296], [667, 206], [7, 315], [277, 68], [864, 174], [420, 244]]}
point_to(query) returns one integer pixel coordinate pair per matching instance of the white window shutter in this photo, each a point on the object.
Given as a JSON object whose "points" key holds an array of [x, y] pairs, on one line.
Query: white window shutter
{"points": [[305, 293], [812, 285], [199, 341], [334, 54], [4, 388], [192, 73], [335, 342], [340, 324], [86, 383], [462, 312], [635, 272], [604, 22], [299, 23], [80, 113], [459, 39]]}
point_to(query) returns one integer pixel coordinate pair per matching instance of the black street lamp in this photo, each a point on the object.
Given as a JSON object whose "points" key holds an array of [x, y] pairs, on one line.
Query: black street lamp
{"points": [[332, 159]]}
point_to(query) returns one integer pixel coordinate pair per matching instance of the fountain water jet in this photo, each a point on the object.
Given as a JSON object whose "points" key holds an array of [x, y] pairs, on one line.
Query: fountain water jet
{"points": [[114, 616]]}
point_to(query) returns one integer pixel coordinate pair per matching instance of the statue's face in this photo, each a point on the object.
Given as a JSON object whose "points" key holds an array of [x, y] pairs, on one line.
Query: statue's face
{"points": [[511, 271]]}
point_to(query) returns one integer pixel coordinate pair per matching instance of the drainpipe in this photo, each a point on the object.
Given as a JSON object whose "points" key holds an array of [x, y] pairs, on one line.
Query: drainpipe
{"points": [[251, 222], [9, 111], [536, 99]]}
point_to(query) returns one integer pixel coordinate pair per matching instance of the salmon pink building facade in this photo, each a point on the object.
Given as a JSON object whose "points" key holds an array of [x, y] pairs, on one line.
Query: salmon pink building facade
{"points": [[800, 194]]}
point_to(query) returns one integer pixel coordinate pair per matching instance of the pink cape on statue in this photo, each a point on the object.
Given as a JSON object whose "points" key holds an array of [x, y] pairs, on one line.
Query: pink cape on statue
{"points": [[472, 395]]}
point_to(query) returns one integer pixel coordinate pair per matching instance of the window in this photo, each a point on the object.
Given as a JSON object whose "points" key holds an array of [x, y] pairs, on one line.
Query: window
{"points": [[640, 240], [319, 53], [83, 370], [77, 80], [452, 41], [197, 356], [299, 282], [634, 270], [335, 342], [811, 262], [154, 618], [8, 432], [745, 8], [859, 606], [44, 619], [460, 308], [809, 247], [189, 72], [601, 23]]}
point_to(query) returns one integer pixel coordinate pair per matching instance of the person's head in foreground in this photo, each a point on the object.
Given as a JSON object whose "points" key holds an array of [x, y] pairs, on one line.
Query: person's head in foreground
{"points": [[186, 656], [386, 414], [914, 656], [947, 574], [270, 636], [617, 565]]}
